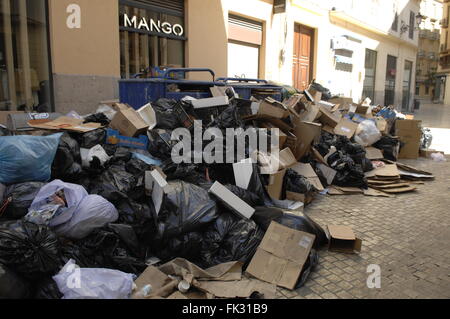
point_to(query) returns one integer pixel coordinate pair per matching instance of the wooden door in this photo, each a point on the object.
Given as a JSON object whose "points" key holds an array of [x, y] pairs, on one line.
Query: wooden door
{"points": [[303, 56]]}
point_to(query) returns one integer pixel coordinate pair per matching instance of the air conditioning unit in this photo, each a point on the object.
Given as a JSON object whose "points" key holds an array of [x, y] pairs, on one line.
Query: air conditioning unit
{"points": [[279, 6]]}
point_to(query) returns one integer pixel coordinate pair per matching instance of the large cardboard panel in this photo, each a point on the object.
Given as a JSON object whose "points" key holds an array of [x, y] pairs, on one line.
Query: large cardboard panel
{"points": [[281, 255], [346, 128], [307, 171]]}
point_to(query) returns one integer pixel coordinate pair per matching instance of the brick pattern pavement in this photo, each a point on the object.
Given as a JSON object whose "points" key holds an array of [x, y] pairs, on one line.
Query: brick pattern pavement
{"points": [[408, 236]]}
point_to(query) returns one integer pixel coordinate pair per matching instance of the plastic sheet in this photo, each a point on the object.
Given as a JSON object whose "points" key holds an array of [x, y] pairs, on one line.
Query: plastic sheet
{"points": [[27, 158], [94, 283], [21, 195], [31, 250]]}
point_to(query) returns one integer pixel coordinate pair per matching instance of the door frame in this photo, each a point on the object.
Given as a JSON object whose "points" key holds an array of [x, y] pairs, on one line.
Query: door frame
{"points": [[312, 49]]}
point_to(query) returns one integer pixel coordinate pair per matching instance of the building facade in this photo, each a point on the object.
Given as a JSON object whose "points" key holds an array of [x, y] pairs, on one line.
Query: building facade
{"points": [[444, 54], [70, 54], [428, 84]]}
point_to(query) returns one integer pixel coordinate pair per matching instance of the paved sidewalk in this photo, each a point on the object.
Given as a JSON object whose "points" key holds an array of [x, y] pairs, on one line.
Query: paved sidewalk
{"points": [[408, 236]]}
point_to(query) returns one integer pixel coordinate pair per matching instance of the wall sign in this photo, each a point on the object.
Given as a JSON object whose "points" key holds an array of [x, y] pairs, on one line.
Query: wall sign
{"points": [[162, 28]]}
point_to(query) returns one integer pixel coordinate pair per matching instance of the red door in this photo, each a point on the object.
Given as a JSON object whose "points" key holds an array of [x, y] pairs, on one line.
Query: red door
{"points": [[303, 56]]}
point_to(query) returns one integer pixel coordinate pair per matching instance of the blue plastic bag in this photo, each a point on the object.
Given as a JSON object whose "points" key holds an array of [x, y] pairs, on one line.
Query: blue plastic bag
{"points": [[27, 158]]}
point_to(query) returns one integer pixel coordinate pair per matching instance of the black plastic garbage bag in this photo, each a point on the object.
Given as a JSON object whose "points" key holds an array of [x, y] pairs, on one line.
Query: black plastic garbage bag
{"points": [[297, 183], [66, 164], [264, 215], [308, 267], [189, 173], [247, 196], [4, 131], [160, 144], [187, 208], [118, 177], [31, 250], [121, 155], [98, 118], [115, 247], [389, 146], [326, 94], [230, 239], [166, 118], [187, 246], [229, 118], [20, 197], [47, 289], [12, 286], [93, 138], [349, 174]]}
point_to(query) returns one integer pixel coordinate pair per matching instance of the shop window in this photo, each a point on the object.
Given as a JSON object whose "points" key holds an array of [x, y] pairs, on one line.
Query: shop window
{"points": [[152, 34], [244, 46], [24, 56]]}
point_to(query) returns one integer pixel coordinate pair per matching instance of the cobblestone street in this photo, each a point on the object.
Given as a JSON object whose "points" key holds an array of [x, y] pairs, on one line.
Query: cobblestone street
{"points": [[407, 236]]}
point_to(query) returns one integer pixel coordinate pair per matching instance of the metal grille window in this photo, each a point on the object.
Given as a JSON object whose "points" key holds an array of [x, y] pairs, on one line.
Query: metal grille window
{"points": [[391, 73], [152, 34], [369, 80]]}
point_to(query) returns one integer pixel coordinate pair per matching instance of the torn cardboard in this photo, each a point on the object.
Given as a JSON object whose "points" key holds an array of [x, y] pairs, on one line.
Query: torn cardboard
{"points": [[275, 187], [273, 108], [281, 256], [306, 133]]}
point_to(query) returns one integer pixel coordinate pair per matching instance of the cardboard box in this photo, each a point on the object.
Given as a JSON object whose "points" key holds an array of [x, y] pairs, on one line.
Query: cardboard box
{"points": [[157, 186], [271, 164], [306, 133], [232, 201], [342, 101], [382, 125], [296, 104], [275, 187], [129, 123], [307, 171], [311, 113], [113, 137], [273, 108], [346, 128], [343, 239], [281, 256], [328, 118]]}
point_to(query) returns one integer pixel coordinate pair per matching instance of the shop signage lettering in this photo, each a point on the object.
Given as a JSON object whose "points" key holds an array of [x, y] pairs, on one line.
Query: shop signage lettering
{"points": [[152, 25]]}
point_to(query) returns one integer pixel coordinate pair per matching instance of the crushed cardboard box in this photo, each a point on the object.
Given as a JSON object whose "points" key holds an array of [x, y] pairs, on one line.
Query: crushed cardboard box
{"points": [[343, 239]]}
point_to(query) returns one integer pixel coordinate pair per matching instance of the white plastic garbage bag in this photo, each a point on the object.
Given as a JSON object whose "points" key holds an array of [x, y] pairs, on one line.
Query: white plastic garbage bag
{"points": [[87, 155], [93, 283], [93, 212], [69, 210], [367, 133]]}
